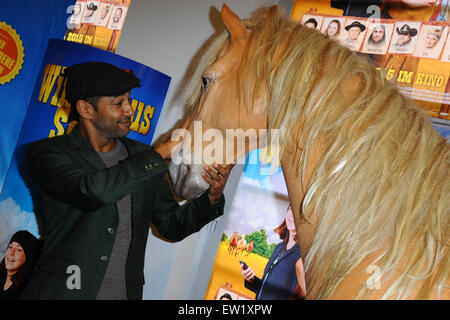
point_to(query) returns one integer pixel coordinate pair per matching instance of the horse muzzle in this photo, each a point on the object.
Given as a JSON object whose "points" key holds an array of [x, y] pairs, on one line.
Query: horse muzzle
{"points": [[186, 177]]}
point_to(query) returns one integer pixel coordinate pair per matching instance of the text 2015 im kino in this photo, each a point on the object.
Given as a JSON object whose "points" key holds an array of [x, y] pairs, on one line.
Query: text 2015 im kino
{"points": [[226, 309]]}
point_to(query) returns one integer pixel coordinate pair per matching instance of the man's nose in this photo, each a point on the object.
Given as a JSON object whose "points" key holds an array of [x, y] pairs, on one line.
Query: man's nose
{"points": [[128, 109]]}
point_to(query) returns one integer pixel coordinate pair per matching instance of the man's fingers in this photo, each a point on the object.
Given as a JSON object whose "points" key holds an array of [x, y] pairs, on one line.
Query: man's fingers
{"points": [[214, 175], [224, 171], [221, 170]]}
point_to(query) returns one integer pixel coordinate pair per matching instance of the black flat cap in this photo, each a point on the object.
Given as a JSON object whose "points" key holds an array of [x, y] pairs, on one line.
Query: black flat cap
{"points": [[313, 21], [98, 79], [356, 24]]}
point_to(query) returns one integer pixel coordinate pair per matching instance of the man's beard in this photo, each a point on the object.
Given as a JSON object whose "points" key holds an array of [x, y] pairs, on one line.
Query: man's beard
{"points": [[112, 128]]}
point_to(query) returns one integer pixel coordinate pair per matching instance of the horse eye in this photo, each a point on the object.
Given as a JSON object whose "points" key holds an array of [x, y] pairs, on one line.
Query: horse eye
{"points": [[205, 82]]}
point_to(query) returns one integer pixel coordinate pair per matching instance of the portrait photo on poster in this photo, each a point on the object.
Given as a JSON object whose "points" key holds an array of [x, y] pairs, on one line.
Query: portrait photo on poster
{"points": [[117, 17], [431, 41], [226, 293], [104, 14], [91, 11], [77, 13], [333, 27], [354, 33], [378, 37], [404, 37], [312, 21]]}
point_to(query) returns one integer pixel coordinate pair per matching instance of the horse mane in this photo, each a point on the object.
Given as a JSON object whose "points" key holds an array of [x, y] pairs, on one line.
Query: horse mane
{"points": [[381, 180]]}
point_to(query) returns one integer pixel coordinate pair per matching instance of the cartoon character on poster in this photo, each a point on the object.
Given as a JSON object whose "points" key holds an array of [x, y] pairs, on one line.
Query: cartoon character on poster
{"points": [[259, 257]]}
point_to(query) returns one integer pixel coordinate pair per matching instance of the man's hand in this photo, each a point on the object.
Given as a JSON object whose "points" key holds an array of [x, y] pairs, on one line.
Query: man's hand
{"points": [[216, 180], [165, 149]]}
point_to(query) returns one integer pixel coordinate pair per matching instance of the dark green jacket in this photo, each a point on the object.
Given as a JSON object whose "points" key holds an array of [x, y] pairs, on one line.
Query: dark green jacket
{"points": [[78, 216]]}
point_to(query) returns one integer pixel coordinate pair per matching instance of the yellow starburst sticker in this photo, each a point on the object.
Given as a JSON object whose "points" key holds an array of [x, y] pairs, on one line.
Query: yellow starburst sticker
{"points": [[11, 53]]}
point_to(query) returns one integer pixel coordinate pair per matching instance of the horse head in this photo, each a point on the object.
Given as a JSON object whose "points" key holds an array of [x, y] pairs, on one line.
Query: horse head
{"points": [[221, 130]]}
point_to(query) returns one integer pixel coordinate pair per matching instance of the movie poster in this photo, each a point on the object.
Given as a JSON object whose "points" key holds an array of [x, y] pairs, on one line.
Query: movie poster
{"points": [[97, 23], [25, 28], [48, 116], [408, 41], [260, 235]]}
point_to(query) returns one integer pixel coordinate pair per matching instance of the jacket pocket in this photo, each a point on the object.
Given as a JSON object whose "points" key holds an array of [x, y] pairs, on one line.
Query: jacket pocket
{"points": [[59, 265]]}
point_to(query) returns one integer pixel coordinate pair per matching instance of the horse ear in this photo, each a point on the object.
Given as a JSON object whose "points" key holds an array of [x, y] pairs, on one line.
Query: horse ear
{"points": [[233, 23]]}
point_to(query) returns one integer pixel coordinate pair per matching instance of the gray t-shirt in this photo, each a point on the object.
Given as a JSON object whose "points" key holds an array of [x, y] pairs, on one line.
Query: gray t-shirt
{"points": [[114, 285]]}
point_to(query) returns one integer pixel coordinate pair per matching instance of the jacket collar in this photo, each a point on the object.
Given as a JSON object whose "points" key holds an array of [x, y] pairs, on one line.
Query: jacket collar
{"points": [[87, 152]]}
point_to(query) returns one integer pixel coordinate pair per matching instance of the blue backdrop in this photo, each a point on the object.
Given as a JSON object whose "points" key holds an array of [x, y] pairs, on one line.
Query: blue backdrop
{"points": [[35, 22]]}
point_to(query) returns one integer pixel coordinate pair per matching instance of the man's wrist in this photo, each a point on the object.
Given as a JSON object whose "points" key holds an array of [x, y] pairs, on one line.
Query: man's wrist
{"points": [[162, 150], [214, 199]]}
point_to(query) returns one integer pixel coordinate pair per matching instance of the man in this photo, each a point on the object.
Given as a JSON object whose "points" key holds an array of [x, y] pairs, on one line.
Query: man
{"points": [[117, 15], [405, 35], [91, 8], [378, 35], [311, 23], [353, 31], [100, 191]]}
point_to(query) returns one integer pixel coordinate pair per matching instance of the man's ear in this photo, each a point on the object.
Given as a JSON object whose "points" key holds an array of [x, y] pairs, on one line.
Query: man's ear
{"points": [[85, 109]]}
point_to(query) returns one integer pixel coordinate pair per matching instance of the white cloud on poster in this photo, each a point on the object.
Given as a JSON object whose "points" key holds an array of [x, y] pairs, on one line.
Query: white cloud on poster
{"points": [[12, 219], [255, 208], [273, 183]]}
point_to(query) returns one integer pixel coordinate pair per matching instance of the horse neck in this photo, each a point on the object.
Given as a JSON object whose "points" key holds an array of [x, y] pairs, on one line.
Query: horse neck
{"points": [[296, 185]]}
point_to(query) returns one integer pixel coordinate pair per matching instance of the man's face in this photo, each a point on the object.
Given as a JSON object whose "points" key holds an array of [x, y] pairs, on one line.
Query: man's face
{"points": [[310, 25], [353, 33], [403, 39], [117, 15], [114, 116], [377, 34]]}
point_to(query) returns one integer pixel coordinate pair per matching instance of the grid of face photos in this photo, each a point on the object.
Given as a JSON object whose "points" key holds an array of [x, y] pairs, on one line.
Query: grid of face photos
{"points": [[382, 36], [104, 13]]}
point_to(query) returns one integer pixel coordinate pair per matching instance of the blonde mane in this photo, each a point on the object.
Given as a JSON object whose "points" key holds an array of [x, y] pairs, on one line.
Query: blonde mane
{"points": [[381, 183]]}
